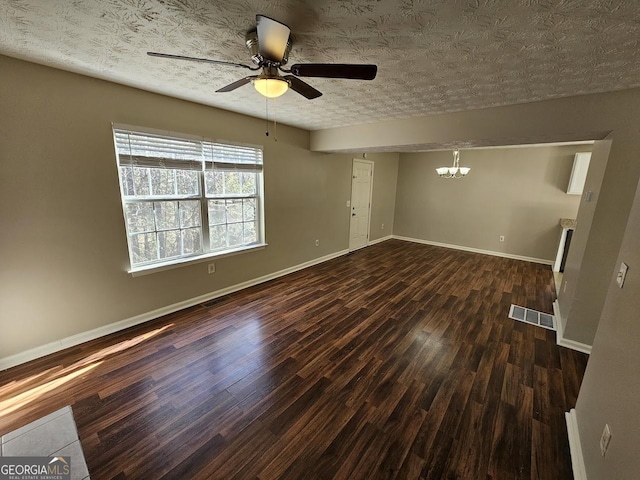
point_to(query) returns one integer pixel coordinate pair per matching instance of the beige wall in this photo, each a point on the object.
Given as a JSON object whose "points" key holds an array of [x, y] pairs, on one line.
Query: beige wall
{"points": [[64, 251], [582, 263], [611, 386], [516, 192]]}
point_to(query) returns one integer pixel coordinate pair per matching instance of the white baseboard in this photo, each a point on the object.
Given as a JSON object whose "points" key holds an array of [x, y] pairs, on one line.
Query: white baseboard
{"points": [[565, 342], [577, 460], [380, 240], [56, 346], [475, 250]]}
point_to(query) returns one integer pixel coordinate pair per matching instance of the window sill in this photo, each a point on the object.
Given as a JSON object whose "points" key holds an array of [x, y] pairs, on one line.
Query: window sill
{"points": [[182, 262]]}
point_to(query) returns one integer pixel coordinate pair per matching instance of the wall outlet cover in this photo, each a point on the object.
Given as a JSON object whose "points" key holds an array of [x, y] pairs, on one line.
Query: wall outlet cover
{"points": [[622, 274], [605, 439]]}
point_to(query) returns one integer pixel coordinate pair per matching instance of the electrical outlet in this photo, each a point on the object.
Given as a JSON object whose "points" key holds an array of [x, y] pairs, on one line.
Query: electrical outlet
{"points": [[317, 243], [622, 274], [382, 227], [211, 268], [605, 439], [502, 238]]}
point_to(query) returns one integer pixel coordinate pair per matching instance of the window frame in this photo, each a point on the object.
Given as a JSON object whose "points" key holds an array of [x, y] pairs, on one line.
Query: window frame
{"points": [[203, 165]]}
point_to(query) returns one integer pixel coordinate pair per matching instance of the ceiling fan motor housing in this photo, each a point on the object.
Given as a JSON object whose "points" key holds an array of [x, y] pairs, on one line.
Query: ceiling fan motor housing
{"points": [[252, 43], [269, 71], [251, 40]]}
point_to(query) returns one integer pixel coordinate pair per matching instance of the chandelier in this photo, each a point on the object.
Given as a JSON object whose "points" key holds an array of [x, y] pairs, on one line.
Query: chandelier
{"points": [[455, 171]]}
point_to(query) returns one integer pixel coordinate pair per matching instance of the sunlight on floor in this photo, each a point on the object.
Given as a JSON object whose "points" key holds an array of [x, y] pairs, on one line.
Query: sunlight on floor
{"points": [[53, 378], [12, 404]]}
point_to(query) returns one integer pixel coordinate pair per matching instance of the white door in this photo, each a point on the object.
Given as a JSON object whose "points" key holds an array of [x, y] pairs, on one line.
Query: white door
{"points": [[361, 187]]}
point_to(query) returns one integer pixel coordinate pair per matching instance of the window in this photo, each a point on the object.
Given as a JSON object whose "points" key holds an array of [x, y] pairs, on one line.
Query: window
{"points": [[183, 197]]}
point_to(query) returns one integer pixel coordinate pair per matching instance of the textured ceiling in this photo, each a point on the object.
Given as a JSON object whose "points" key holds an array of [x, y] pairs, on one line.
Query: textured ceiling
{"points": [[434, 56]]}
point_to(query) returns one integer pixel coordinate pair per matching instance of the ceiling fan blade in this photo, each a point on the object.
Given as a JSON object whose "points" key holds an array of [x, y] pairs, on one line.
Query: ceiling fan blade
{"points": [[237, 84], [273, 37], [335, 70], [194, 59], [302, 88]]}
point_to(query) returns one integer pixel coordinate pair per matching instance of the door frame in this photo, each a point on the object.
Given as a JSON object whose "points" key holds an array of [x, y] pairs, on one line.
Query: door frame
{"points": [[370, 162]]}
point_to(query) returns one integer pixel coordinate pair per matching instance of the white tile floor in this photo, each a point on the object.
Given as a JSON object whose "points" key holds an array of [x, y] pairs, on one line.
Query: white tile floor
{"points": [[52, 435]]}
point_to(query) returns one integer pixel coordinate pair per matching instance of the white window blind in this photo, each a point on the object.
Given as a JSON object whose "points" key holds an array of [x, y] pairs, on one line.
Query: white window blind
{"points": [[232, 157], [165, 152], [184, 197]]}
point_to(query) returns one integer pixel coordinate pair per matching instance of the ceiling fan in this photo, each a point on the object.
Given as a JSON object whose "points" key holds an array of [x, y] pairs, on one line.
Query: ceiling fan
{"points": [[269, 44]]}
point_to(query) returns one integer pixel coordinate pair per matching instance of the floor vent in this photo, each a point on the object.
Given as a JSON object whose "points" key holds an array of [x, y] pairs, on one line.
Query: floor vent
{"points": [[533, 317]]}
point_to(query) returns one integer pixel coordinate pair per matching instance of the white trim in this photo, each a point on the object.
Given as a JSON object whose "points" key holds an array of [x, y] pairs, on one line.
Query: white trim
{"points": [[565, 342], [557, 282], [53, 347], [182, 262], [439, 148], [577, 460], [380, 240], [475, 250], [560, 254]]}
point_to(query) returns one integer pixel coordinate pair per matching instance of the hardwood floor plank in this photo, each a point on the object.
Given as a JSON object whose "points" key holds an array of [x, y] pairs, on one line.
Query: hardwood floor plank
{"points": [[435, 466], [468, 457], [190, 466], [524, 406], [334, 455], [506, 447], [285, 420], [395, 362], [411, 467], [307, 458]]}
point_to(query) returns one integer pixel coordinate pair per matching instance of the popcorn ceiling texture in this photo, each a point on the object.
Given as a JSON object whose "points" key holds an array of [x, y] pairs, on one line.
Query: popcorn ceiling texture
{"points": [[434, 56]]}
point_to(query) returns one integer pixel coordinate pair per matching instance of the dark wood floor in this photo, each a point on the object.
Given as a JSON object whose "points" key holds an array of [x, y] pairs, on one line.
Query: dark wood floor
{"points": [[397, 361]]}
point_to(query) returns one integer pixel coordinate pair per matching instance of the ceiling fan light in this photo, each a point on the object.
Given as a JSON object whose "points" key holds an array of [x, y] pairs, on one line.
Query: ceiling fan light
{"points": [[271, 87]]}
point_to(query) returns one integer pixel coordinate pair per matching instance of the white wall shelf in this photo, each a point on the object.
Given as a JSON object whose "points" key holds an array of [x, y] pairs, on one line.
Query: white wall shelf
{"points": [[579, 173]]}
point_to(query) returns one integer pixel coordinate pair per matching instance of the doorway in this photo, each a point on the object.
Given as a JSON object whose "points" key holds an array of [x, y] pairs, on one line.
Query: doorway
{"points": [[361, 191]]}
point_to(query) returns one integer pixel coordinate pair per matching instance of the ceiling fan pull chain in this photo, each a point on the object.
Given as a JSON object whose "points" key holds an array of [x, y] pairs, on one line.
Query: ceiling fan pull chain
{"points": [[266, 101], [275, 121]]}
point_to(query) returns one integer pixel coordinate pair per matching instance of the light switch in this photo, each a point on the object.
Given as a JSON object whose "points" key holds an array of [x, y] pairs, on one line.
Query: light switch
{"points": [[622, 274]]}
